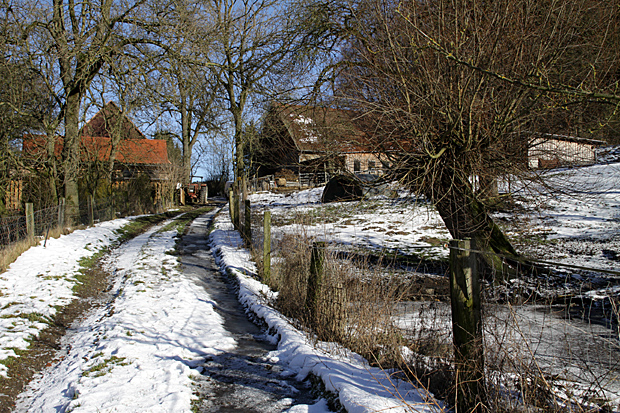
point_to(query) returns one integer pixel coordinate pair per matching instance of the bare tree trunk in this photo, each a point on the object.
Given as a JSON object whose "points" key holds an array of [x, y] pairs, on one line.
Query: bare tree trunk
{"points": [[71, 154], [186, 139], [466, 217], [52, 167], [239, 147]]}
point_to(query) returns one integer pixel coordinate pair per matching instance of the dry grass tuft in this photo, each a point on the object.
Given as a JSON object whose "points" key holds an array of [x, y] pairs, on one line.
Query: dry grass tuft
{"points": [[355, 306], [10, 253]]}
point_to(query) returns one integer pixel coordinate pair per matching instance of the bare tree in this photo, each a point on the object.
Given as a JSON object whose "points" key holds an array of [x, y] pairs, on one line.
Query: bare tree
{"points": [[455, 89], [253, 41], [72, 41], [26, 106], [180, 84]]}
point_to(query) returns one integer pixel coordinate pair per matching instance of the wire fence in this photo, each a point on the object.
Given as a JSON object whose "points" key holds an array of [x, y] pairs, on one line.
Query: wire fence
{"points": [[14, 229], [550, 336]]}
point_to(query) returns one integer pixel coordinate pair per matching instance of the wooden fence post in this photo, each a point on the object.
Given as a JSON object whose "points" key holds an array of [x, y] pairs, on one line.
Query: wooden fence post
{"points": [[317, 261], [247, 227], [467, 328], [267, 248], [30, 220]]}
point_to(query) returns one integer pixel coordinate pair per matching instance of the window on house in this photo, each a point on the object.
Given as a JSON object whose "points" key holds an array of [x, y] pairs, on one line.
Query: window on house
{"points": [[357, 166], [371, 165]]}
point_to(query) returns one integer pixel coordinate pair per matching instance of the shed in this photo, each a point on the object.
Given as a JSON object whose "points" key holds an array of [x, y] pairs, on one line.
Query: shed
{"points": [[551, 151]]}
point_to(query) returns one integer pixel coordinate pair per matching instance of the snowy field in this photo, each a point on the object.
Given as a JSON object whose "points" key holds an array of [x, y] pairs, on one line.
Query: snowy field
{"points": [[576, 221], [360, 388], [403, 225], [574, 225], [41, 280]]}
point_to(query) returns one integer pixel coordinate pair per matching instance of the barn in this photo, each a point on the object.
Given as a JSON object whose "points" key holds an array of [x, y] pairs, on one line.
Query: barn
{"points": [[109, 136], [311, 143], [547, 151]]}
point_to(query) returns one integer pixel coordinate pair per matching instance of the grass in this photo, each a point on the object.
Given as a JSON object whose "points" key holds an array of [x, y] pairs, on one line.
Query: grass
{"points": [[181, 223], [13, 360], [141, 224], [9, 254], [325, 214], [32, 317], [105, 366]]}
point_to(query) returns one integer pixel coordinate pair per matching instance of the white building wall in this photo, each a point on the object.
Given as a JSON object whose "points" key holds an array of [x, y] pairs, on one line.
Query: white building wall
{"points": [[549, 153]]}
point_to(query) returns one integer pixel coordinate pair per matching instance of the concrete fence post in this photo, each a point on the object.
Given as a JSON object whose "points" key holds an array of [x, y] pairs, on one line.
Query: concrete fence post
{"points": [[231, 206], [237, 221], [30, 220], [61, 213], [247, 227], [91, 210]]}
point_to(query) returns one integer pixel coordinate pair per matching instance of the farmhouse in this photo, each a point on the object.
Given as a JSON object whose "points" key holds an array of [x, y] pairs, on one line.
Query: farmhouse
{"points": [[313, 142], [552, 151], [309, 143], [111, 136]]}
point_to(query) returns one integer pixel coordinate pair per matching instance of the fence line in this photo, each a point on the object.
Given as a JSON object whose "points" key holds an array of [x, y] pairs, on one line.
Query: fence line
{"points": [[14, 229], [554, 340]]}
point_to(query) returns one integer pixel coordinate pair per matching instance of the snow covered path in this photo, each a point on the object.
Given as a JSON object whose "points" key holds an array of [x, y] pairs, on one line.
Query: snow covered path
{"points": [[242, 379], [138, 353]]}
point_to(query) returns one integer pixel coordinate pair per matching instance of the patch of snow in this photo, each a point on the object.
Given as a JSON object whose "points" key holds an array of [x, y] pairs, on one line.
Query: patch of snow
{"points": [[138, 354], [41, 280]]}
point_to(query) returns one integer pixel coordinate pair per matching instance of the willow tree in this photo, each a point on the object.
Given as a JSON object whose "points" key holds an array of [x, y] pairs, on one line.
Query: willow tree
{"points": [[454, 89]]}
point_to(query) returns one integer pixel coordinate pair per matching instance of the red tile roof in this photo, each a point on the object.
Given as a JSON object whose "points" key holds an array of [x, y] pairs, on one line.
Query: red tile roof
{"points": [[109, 121], [128, 151], [96, 141]]}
